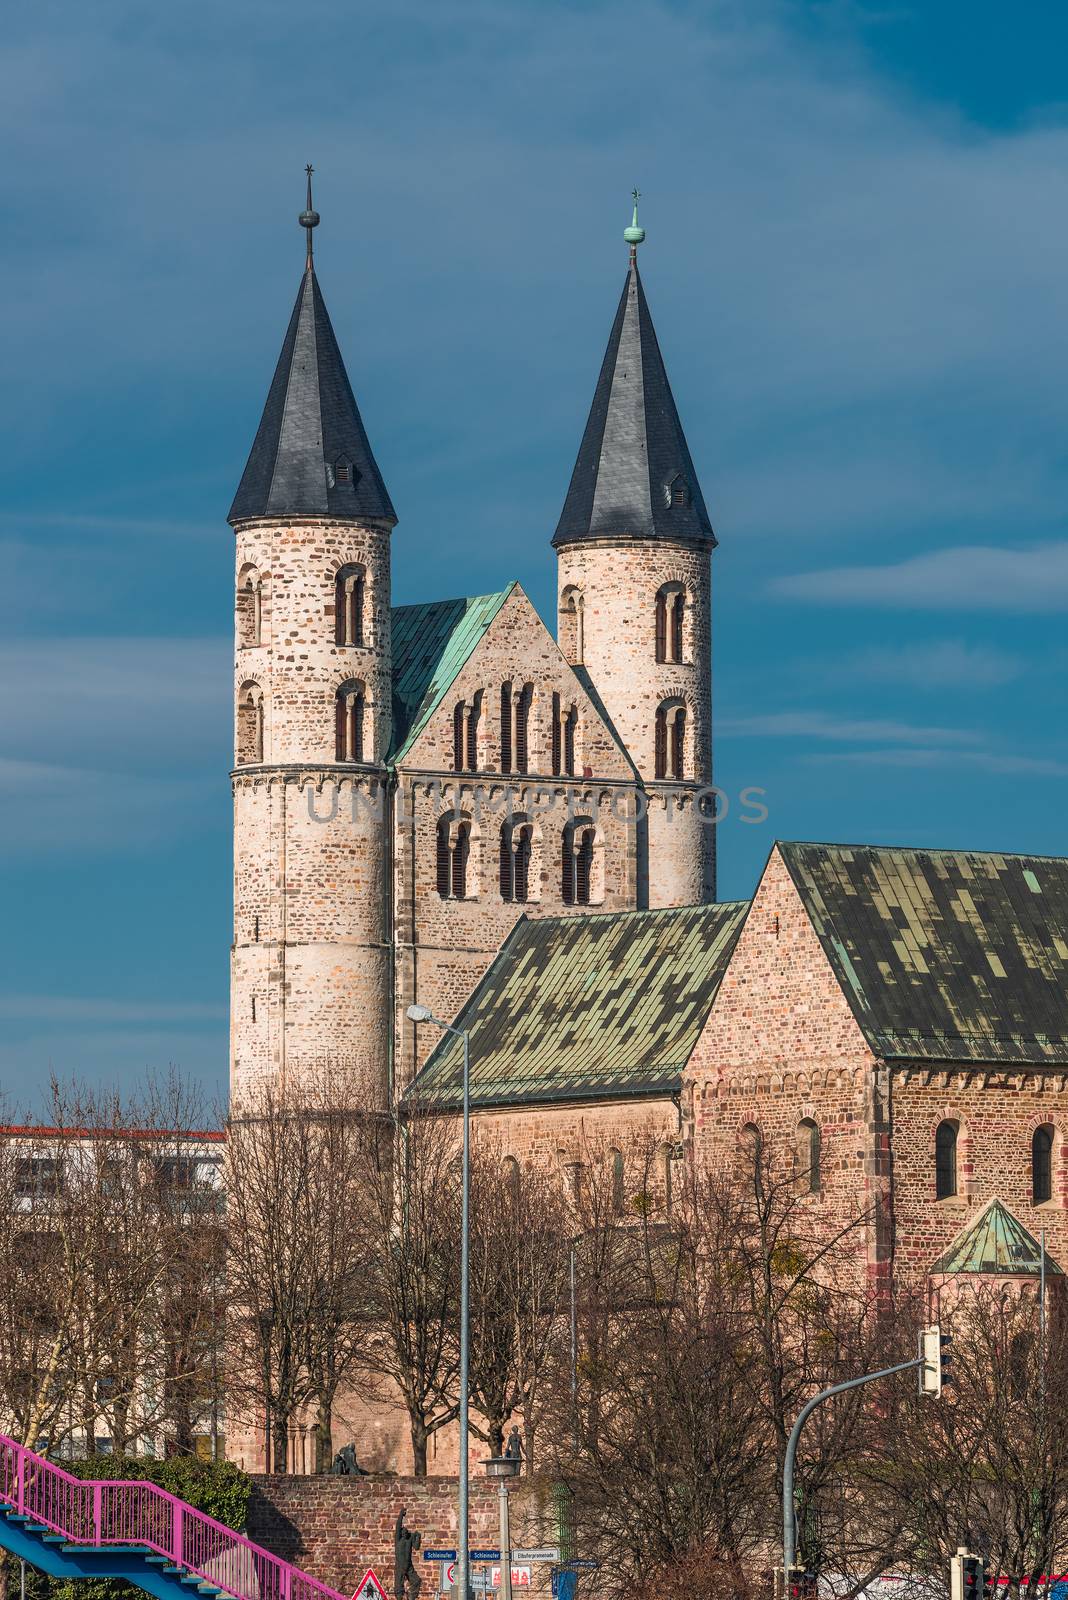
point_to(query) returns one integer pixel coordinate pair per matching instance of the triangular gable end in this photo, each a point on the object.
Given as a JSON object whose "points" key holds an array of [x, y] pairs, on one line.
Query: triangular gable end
{"points": [[994, 1244], [802, 1015], [519, 662]]}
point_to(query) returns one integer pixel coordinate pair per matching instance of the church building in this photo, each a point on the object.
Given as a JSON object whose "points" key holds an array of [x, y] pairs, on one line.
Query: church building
{"points": [[443, 803]]}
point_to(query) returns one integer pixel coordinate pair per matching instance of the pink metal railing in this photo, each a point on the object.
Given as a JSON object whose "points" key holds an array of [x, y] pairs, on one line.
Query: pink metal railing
{"points": [[111, 1512]]}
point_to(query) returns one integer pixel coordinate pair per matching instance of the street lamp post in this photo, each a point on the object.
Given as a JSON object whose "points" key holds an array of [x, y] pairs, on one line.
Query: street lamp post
{"points": [[503, 1468], [424, 1014]]}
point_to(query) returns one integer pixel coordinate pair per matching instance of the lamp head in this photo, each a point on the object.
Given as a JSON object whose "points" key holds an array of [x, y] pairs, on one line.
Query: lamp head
{"points": [[420, 1014]]}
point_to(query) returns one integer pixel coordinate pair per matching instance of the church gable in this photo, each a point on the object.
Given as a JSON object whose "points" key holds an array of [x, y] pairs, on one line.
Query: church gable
{"points": [[780, 1007], [513, 705]]}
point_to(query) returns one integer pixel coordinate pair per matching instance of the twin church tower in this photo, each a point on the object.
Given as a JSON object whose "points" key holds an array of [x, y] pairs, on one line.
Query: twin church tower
{"points": [[408, 781]]}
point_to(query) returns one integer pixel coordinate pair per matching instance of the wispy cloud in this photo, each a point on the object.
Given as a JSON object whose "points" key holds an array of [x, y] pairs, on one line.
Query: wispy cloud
{"points": [[943, 664], [50, 809], [825, 725], [95, 1011], [948, 761], [968, 578]]}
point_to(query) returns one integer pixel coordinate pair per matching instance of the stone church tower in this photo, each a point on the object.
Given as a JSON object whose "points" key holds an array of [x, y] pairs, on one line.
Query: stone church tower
{"points": [[311, 975], [634, 543]]}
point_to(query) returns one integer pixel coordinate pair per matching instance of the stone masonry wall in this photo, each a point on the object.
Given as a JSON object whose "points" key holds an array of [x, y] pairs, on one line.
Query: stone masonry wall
{"points": [[618, 581], [335, 1528], [444, 945], [310, 975], [997, 1112], [781, 1045]]}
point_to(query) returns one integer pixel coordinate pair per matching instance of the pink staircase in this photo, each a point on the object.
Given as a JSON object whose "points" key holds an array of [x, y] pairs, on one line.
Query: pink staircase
{"points": [[176, 1538]]}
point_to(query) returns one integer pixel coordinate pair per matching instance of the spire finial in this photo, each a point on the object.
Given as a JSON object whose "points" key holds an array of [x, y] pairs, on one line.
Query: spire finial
{"points": [[634, 235], [309, 217]]}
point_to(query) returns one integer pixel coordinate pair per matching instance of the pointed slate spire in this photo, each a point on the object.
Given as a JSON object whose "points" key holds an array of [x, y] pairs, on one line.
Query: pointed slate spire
{"points": [[634, 477], [311, 456]]}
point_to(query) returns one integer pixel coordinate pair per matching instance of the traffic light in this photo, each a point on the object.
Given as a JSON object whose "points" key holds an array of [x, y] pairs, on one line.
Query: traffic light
{"points": [[966, 1576], [800, 1584], [933, 1360]]}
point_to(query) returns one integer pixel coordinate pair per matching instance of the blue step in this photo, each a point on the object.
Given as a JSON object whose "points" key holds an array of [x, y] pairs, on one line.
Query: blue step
{"points": [[106, 1550]]}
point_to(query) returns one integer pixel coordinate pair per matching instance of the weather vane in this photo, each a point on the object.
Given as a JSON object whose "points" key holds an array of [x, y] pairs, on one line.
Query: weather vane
{"points": [[634, 234], [309, 217]]}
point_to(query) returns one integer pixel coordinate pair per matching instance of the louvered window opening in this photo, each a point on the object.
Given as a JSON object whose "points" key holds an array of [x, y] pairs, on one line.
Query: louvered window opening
{"points": [[516, 848], [350, 713], [348, 607], [577, 865]]}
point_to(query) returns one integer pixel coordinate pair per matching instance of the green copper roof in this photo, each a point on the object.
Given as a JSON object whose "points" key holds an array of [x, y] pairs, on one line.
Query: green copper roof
{"points": [[944, 955], [996, 1242], [588, 1007], [431, 642]]}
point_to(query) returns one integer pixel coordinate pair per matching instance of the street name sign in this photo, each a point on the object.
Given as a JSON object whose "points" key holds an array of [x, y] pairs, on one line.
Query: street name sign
{"points": [[439, 1555], [544, 1552]]}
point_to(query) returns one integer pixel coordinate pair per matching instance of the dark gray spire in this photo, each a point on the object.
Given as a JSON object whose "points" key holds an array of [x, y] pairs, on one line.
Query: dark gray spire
{"points": [[310, 456], [634, 478]]}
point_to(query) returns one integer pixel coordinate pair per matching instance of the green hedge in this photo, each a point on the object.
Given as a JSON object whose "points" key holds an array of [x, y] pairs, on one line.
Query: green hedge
{"points": [[220, 1489]]}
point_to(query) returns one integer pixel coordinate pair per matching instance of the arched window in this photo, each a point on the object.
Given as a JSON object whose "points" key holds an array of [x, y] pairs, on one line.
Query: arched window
{"points": [[249, 724], [443, 858], [557, 737], [807, 1154], [751, 1141], [678, 615], [517, 843], [506, 727], [349, 593], [577, 863], [510, 1172], [572, 642], [350, 712], [522, 727], [946, 1161], [250, 608], [617, 1182], [1042, 1165], [453, 857], [669, 756], [461, 853], [570, 726], [665, 1177], [661, 626], [466, 717], [458, 741], [474, 716]]}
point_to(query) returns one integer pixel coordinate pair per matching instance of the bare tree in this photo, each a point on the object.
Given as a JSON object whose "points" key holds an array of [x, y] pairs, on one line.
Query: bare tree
{"points": [[518, 1261], [411, 1199]]}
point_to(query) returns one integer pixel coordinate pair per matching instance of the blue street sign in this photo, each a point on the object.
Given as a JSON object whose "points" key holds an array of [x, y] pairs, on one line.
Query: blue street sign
{"points": [[580, 1563], [439, 1555], [484, 1555]]}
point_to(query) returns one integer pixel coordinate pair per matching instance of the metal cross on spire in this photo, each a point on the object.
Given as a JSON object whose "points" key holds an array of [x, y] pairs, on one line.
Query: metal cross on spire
{"points": [[309, 217]]}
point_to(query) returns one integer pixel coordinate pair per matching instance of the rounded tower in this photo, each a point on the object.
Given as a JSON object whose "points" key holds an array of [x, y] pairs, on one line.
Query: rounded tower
{"points": [[310, 975], [634, 545]]}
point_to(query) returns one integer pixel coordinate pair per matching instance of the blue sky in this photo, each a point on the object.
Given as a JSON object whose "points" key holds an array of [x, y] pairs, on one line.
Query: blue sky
{"points": [[858, 225]]}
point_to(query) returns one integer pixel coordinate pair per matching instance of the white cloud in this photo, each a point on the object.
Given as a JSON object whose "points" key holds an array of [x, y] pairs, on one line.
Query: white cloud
{"points": [[57, 810], [95, 1011], [950, 761], [158, 703], [824, 725], [968, 578], [943, 664]]}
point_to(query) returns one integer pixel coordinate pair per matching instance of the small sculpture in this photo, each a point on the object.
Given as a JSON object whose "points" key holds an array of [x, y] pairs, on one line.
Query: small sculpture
{"points": [[513, 1450], [345, 1464], [405, 1573]]}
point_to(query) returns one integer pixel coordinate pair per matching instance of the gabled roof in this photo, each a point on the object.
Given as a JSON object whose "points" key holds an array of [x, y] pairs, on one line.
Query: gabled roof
{"points": [[944, 955], [995, 1243], [431, 642], [633, 448], [310, 422], [599, 1006]]}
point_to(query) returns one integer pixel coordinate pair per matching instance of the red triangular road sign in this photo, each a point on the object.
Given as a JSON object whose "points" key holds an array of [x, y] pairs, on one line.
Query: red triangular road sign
{"points": [[369, 1587]]}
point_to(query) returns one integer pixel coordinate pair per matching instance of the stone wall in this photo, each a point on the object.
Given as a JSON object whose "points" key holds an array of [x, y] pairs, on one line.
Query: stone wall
{"points": [[335, 1528]]}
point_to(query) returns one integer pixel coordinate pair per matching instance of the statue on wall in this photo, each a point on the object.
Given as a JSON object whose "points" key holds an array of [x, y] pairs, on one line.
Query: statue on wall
{"points": [[345, 1464], [406, 1577], [513, 1450]]}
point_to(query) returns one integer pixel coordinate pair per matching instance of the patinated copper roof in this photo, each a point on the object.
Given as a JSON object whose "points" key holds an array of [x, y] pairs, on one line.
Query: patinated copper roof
{"points": [[994, 1243], [431, 642], [597, 1006], [944, 955]]}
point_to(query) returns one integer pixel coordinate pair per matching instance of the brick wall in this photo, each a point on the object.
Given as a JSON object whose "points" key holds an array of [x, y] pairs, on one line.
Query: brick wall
{"points": [[335, 1528]]}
